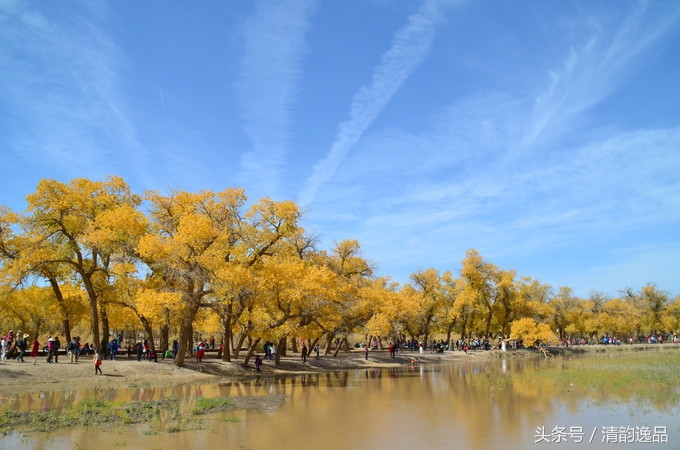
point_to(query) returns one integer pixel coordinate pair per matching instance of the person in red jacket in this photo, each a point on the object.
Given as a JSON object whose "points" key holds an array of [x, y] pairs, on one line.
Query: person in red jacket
{"points": [[34, 350]]}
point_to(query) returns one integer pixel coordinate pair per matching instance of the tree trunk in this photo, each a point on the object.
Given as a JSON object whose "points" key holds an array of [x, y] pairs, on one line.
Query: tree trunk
{"points": [[449, 332], [65, 323], [94, 325], [464, 328], [148, 332], [282, 349], [105, 322], [293, 345], [313, 344], [226, 339], [239, 344], [280, 345], [488, 323], [231, 343], [330, 337], [165, 334], [186, 332], [249, 353], [337, 349], [184, 337]]}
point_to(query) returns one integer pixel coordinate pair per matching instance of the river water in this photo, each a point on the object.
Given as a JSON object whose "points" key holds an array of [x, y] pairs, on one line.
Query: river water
{"points": [[507, 404]]}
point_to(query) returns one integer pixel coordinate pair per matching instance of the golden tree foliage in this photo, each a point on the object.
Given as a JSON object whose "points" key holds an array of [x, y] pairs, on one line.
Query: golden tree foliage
{"points": [[188, 231], [204, 262], [671, 317], [531, 333], [34, 310], [385, 306], [427, 291], [195, 237], [80, 227]]}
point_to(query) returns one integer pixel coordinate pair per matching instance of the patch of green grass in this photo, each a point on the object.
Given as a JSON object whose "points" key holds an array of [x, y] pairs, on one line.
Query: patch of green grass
{"points": [[167, 415], [204, 405], [624, 376]]}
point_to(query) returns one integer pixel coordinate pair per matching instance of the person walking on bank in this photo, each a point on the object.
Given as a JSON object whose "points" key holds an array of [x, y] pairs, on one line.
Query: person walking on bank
{"points": [[34, 350], [55, 346], [258, 363], [21, 345], [71, 350], [50, 348], [97, 363], [304, 352], [3, 348], [366, 351]]}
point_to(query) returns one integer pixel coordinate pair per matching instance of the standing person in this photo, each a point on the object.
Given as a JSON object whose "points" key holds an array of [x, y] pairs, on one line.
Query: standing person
{"points": [[97, 363], [55, 346], [258, 363], [138, 350], [153, 354], [304, 352], [212, 342], [50, 348], [366, 351], [104, 347], [21, 345], [10, 342], [3, 348], [113, 349], [175, 348], [34, 350], [71, 351], [200, 351], [272, 350], [76, 346], [316, 350]]}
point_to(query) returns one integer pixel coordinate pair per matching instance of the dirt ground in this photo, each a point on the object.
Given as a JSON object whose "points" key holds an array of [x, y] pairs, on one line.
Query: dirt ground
{"points": [[17, 377]]}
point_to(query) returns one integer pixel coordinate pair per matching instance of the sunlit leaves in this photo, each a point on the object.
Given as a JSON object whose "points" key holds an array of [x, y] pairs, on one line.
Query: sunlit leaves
{"points": [[208, 261], [531, 333]]}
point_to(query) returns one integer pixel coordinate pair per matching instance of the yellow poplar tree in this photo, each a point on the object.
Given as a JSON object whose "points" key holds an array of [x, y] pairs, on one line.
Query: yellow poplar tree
{"points": [[530, 332], [354, 273], [426, 287], [83, 225], [195, 237]]}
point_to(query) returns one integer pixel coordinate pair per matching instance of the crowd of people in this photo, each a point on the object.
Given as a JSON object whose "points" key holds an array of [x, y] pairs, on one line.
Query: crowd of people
{"points": [[14, 346]]}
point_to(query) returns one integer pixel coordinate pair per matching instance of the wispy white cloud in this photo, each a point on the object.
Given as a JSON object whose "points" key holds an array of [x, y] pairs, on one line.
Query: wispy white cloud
{"points": [[61, 82], [409, 48], [274, 45], [594, 69], [492, 174]]}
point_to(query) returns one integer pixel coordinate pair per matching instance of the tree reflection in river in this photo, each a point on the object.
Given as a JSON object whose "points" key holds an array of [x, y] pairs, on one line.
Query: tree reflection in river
{"points": [[476, 405]]}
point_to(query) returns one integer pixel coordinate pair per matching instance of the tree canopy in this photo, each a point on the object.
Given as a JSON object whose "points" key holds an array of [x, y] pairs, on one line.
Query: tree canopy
{"points": [[94, 256]]}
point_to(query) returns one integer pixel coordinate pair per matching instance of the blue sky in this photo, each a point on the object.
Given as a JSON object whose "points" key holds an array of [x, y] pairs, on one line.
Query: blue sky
{"points": [[545, 134]]}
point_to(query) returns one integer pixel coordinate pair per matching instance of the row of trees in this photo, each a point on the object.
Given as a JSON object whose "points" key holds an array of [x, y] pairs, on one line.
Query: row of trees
{"points": [[93, 251]]}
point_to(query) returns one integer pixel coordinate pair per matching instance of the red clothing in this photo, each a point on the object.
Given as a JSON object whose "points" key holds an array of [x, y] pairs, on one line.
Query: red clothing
{"points": [[34, 350]]}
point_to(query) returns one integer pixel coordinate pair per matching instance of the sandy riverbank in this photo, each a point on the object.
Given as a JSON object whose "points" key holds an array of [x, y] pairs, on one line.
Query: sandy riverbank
{"points": [[16, 377]]}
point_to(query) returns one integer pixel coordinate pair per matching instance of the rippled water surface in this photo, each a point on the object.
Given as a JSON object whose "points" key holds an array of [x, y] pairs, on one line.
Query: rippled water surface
{"points": [[508, 404]]}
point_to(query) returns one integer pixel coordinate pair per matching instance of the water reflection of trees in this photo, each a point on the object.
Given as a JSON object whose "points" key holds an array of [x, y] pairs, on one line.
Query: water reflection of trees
{"points": [[504, 394]]}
